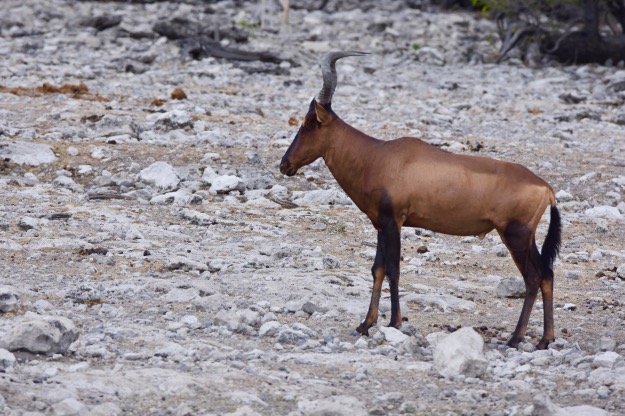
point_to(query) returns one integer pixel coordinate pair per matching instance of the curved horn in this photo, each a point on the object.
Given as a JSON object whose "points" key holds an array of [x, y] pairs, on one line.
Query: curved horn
{"points": [[328, 71]]}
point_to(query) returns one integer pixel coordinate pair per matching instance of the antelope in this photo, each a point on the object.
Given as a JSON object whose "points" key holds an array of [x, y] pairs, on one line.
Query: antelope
{"points": [[407, 182]]}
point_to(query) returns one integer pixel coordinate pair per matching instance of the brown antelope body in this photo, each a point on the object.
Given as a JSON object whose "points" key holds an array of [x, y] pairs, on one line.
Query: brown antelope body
{"points": [[409, 183]]}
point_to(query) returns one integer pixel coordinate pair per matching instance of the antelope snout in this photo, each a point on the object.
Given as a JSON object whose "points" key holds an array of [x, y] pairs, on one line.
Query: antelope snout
{"points": [[285, 168]]}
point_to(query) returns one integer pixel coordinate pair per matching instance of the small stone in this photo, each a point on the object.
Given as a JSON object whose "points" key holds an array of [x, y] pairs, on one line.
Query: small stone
{"points": [[606, 344], [7, 359], [573, 275], [28, 223], [310, 308], [392, 335], [604, 211], [9, 299], [160, 174], [292, 336], [225, 184], [431, 56], [607, 359], [564, 196], [510, 288], [191, 321], [361, 343], [173, 120], [269, 329], [333, 405], [70, 407], [330, 262]]}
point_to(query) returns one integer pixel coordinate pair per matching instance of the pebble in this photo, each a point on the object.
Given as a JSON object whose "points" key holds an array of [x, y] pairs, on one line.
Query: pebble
{"points": [[9, 299], [392, 335], [225, 184], [510, 288], [333, 405], [161, 175], [7, 359], [607, 359]]}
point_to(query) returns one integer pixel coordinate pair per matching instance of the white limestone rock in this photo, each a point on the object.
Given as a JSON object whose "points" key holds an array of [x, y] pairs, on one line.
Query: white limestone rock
{"points": [[161, 175], [461, 353], [27, 153]]}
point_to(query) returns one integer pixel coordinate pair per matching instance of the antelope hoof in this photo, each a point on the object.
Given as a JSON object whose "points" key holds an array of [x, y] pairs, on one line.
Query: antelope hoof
{"points": [[514, 342], [363, 329], [544, 343]]}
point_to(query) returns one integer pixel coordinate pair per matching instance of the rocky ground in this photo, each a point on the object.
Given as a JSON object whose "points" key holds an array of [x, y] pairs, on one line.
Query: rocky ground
{"points": [[154, 261]]}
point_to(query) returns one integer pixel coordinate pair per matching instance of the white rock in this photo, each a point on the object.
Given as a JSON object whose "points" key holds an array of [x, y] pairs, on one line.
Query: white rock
{"points": [[430, 55], [7, 359], [333, 406], [510, 288], [269, 328], [443, 302], [106, 409], [28, 153], [191, 321], [544, 407], [321, 197], [243, 411], [604, 211], [28, 223], [563, 196], [102, 153], [179, 197], [392, 335], [435, 337], [176, 119], [65, 182], [9, 299], [250, 317], [225, 183], [209, 174], [41, 334], [70, 407], [607, 359], [461, 353], [160, 174], [85, 169], [186, 264], [583, 410], [6, 244]]}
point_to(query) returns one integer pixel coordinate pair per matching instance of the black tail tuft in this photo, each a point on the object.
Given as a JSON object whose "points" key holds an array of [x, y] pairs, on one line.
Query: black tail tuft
{"points": [[551, 246]]}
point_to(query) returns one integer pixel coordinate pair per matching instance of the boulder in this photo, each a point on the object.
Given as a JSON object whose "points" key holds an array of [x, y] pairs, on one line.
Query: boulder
{"points": [[461, 353], [41, 335]]}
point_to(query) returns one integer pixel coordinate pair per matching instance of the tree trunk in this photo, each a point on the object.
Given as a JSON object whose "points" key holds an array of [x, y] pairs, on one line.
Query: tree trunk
{"points": [[591, 19]]}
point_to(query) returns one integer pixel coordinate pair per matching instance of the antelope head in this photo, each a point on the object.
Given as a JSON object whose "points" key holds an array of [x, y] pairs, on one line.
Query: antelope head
{"points": [[313, 135]]}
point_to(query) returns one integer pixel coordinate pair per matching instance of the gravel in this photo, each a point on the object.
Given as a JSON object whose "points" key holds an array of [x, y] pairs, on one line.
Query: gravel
{"points": [[154, 261]]}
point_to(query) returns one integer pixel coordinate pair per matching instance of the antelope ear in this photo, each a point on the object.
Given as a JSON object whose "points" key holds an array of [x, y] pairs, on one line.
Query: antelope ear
{"points": [[323, 116]]}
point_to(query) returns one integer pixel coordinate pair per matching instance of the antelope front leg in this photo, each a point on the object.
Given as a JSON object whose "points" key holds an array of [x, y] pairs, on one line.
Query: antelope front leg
{"points": [[378, 272]]}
